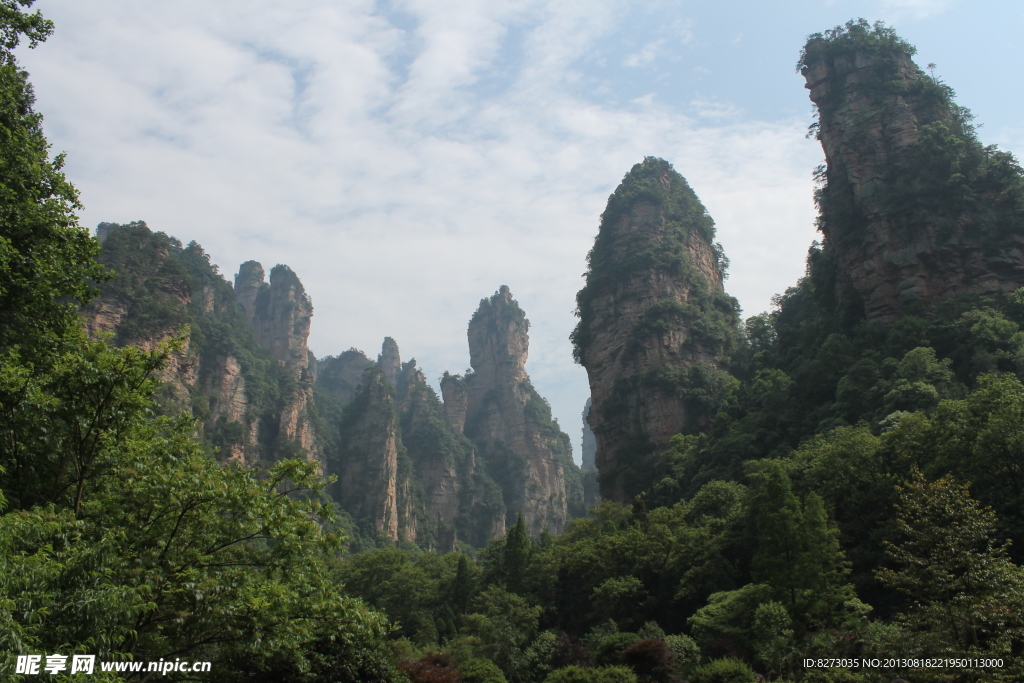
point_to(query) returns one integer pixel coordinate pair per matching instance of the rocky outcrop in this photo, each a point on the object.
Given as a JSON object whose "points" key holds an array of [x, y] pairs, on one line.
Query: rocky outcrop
{"points": [[655, 325], [249, 407], [455, 394], [340, 375], [526, 453], [366, 462], [390, 360], [225, 386], [440, 496], [591, 487], [913, 210], [147, 304], [281, 313], [440, 457], [249, 282]]}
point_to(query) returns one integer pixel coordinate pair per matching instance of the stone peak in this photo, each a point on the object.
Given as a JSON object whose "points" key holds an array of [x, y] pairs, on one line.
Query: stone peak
{"points": [[251, 270], [390, 360]]}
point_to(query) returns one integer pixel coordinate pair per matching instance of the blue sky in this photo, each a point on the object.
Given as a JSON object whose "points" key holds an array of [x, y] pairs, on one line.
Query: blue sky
{"points": [[406, 158]]}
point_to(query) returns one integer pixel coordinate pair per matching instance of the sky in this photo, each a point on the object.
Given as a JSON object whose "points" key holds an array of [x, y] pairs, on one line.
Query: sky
{"points": [[407, 158]]}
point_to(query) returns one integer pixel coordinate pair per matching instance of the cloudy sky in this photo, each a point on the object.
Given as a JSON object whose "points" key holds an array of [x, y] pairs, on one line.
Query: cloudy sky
{"points": [[406, 158]]}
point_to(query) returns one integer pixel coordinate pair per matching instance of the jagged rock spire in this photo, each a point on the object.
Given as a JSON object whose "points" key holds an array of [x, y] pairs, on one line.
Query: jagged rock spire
{"points": [[527, 454]]}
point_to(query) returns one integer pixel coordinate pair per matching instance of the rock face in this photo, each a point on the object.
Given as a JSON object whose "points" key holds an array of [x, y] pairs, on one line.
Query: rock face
{"points": [[367, 460], [390, 360], [439, 458], [161, 286], [527, 454], [591, 488], [151, 308], [340, 375], [655, 324], [280, 313], [225, 386], [249, 281], [913, 210], [456, 400], [440, 495], [589, 442]]}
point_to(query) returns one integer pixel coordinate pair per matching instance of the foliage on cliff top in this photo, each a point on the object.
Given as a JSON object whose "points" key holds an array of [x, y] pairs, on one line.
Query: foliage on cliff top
{"points": [[857, 35], [497, 310], [945, 178], [616, 257]]}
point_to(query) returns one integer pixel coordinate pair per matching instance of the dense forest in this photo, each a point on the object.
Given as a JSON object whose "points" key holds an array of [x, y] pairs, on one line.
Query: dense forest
{"points": [[845, 482]]}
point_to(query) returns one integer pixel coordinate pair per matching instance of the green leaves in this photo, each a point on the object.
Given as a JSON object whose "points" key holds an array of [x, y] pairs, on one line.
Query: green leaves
{"points": [[967, 596]]}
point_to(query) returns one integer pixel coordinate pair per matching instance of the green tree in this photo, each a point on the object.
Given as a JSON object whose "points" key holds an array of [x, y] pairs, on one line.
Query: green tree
{"points": [[46, 259], [480, 671], [500, 629], [601, 674], [798, 553], [516, 555], [967, 596]]}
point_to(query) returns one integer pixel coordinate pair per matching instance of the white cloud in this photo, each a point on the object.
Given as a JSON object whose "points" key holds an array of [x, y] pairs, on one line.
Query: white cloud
{"points": [[647, 54], [367, 153]]}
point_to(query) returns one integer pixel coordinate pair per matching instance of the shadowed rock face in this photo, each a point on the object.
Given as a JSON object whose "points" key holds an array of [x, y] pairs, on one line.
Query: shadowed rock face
{"points": [[434, 450], [340, 375], [913, 210], [367, 463], [589, 443], [655, 325], [527, 455]]}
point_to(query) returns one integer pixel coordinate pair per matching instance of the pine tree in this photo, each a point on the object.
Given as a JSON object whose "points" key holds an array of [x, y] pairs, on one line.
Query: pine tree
{"points": [[517, 555]]}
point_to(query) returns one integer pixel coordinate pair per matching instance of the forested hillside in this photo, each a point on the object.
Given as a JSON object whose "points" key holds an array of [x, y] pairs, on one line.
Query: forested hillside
{"points": [[838, 479]]}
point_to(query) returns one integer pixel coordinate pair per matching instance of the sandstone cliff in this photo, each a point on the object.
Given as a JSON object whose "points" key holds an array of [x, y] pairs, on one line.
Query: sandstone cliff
{"points": [[366, 462], [655, 325], [251, 406], [280, 314], [526, 453], [456, 400], [440, 457], [913, 209], [148, 303]]}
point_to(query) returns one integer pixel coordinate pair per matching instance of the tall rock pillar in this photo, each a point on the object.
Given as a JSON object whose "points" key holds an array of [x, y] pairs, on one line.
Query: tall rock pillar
{"points": [[912, 208], [367, 459], [655, 328], [528, 456]]}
